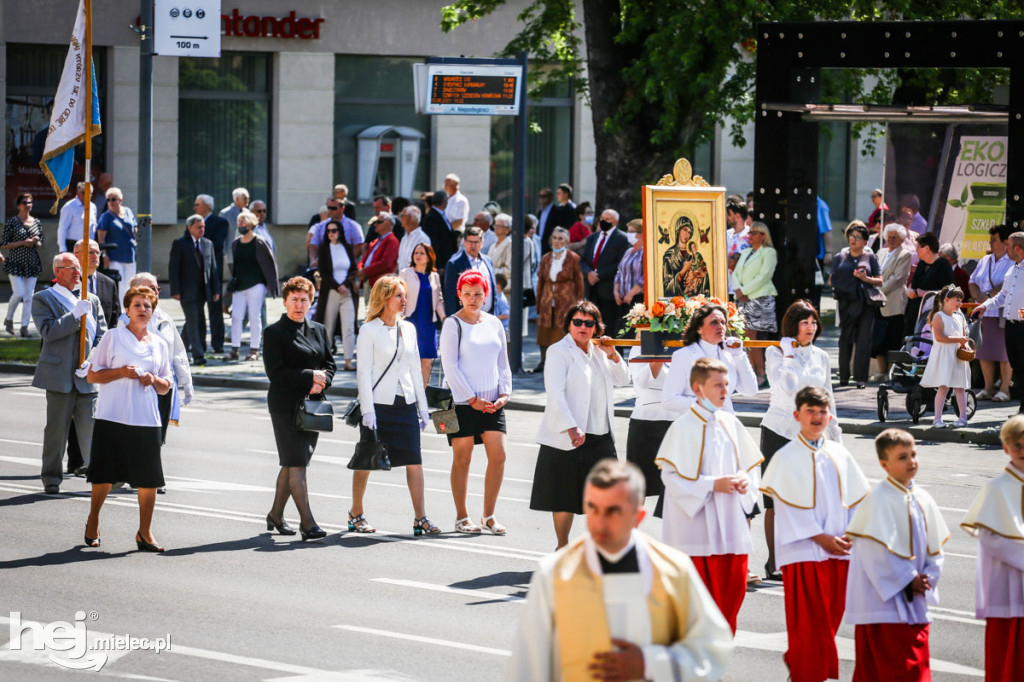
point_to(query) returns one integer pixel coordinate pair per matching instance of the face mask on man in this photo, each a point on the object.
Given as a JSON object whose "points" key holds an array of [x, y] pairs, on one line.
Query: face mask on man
{"points": [[605, 225]]}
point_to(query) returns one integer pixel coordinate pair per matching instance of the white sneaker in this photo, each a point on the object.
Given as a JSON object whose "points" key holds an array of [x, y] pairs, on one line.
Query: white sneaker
{"points": [[1001, 397], [959, 423], [938, 424], [985, 395]]}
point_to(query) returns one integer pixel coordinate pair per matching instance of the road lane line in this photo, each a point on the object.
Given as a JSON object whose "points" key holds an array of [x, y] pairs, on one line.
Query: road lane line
{"points": [[937, 613], [426, 640], [478, 594]]}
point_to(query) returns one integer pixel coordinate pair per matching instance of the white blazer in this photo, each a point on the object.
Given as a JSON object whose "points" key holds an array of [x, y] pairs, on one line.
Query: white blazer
{"points": [[375, 349], [412, 290], [567, 383]]}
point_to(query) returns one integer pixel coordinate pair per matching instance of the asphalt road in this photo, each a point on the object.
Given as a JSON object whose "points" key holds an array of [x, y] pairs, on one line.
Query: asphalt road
{"points": [[241, 604]]}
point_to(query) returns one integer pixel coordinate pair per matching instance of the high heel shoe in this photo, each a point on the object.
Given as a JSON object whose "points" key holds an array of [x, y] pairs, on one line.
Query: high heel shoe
{"points": [[314, 533], [90, 542], [283, 528], [423, 525], [146, 546], [775, 575], [359, 524]]}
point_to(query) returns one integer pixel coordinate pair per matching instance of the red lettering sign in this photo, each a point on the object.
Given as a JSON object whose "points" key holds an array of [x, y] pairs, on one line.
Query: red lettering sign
{"points": [[254, 26]]}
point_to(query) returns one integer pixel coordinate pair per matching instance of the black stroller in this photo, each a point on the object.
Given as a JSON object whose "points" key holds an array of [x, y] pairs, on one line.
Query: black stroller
{"points": [[906, 367]]}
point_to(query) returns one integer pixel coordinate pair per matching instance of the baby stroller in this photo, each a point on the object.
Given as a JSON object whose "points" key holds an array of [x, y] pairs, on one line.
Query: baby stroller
{"points": [[906, 367]]}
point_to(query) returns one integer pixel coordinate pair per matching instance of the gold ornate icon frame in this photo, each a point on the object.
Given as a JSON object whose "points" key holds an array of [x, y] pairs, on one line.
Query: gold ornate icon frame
{"points": [[685, 247]]}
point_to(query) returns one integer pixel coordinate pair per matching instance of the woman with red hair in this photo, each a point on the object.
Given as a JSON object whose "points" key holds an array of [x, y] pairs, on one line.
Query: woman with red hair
{"points": [[475, 362]]}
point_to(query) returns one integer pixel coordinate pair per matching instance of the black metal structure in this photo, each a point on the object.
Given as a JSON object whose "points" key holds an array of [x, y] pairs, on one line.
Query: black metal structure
{"points": [[790, 57]]}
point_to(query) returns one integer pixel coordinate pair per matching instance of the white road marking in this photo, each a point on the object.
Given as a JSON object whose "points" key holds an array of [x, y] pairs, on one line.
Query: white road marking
{"points": [[478, 594], [937, 613], [27, 394], [426, 640]]}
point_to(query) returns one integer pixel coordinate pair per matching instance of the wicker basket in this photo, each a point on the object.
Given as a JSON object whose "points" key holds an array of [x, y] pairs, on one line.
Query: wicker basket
{"points": [[966, 354]]}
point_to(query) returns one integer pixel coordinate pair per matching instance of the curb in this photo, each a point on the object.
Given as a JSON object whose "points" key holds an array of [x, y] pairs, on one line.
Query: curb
{"points": [[858, 427]]}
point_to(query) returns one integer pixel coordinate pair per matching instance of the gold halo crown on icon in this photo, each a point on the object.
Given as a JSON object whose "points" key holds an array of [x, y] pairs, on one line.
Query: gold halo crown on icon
{"points": [[682, 176]]}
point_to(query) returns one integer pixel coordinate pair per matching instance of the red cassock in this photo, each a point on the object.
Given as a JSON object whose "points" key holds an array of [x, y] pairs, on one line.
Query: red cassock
{"points": [[815, 602], [895, 652], [1004, 649], [725, 576]]}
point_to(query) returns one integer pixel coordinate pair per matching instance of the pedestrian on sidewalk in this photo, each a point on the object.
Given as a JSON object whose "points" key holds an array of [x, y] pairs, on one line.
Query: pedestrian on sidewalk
{"points": [[894, 265], [944, 369], [23, 240], [793, 365], [853, 270], [475, 360], [339, 290], [132, 367], [559, 287], [576, 430], [424, 305], [755, 293], [253, 278], [118, 226], [392, 398], [298, 361], [987, 281]]}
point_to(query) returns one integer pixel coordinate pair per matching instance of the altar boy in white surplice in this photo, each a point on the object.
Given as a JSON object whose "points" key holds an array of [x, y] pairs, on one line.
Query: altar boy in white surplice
{"points": [[616, 604], [996, 519], [898, 533], [709, 465]]}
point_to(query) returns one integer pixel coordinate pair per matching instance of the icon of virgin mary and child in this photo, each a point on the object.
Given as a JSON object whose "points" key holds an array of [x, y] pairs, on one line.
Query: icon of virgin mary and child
{"points": [[684, 269]]}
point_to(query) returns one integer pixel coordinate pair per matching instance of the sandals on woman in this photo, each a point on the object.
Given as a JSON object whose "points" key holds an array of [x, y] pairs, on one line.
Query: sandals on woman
{"points": [[465, 525], [253, 355], [359, 524], [423, 525], [493, 526]]}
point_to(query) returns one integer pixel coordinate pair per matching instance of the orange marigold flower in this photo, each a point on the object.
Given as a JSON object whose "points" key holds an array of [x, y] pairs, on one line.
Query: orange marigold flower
{"points": [[658, 309], [732, 309], [678, 301]]}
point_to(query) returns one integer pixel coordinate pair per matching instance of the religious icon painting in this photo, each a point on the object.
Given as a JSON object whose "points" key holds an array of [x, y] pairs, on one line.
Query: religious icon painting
{"points": [[684, 239]]}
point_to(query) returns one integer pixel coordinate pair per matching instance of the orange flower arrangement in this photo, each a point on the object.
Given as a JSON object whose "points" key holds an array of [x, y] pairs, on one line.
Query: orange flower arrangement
{"points": [[658, 309], [672, 315]]}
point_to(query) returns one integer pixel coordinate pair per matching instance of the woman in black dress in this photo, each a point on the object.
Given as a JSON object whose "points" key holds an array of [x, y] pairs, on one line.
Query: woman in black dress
{"points": [[297, 359]]}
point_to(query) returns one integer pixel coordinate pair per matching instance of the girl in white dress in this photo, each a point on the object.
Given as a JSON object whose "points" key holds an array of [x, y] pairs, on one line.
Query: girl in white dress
{"points": [[944, 370]]}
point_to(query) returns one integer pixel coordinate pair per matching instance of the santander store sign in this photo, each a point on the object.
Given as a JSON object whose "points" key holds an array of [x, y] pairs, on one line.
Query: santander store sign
{"points": [[254, 26]]}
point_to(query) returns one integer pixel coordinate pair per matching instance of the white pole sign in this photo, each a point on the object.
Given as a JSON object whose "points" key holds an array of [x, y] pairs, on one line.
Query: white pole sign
{"points": [[186, 28]]}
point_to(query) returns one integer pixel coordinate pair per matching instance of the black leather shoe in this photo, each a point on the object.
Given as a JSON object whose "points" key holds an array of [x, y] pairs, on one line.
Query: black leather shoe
{"points": [[283, 528], [314, 533], [82, 471], [51, 489], [200, 361]]}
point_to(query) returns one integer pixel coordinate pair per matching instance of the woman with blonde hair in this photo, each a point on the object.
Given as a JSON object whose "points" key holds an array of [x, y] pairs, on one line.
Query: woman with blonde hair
{"points": [[253, 278], [755, 293], [392, 398]]}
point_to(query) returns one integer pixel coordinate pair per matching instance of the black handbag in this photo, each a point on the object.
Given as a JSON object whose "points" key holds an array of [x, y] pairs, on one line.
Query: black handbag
{"points": [[370, 455], [529, 298], [314, 414], [354, 413], [438, 397]]}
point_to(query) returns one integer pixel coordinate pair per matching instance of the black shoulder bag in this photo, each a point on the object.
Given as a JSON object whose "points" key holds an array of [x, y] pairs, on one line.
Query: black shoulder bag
{"points": [[354, 413], [314, 413]]}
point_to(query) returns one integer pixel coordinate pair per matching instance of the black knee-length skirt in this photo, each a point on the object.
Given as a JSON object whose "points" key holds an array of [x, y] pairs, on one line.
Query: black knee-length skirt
{"points": [[771, 443], [475, 423], [121, 452], [294, 447], [398, 426], [560, 475], [642, 445]]}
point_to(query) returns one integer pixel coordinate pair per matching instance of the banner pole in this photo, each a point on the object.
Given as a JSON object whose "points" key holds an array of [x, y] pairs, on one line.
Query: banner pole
{"points": [[87, 214]]}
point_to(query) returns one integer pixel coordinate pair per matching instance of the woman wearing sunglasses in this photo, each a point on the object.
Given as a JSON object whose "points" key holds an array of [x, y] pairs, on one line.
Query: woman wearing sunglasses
{"points": [[577, 428], [118, 226]]}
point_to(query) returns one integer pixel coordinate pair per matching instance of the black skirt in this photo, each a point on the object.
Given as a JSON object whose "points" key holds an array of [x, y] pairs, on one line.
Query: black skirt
{"points": [[642, 445], [474, 423], [294, 447], [121, 452], [398, 427], [771, 443], [560, 475]]}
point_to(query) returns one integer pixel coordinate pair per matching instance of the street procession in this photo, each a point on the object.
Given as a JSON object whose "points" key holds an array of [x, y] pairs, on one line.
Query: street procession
{"points": [[703, 361]]}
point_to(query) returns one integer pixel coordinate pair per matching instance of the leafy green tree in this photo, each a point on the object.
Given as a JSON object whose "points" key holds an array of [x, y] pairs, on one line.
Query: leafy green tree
{"points": [[659, 76]]}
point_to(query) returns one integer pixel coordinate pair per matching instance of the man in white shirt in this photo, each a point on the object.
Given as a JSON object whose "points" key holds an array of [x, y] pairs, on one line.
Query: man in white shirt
{"points": [[616, 604], [1011, 299], [72, 217], [458, 205], [414, 236]]}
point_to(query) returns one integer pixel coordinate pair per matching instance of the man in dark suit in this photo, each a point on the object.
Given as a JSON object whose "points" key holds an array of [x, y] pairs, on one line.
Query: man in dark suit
{"points": [[192, 271], [435, 223], [217, 229], [599, 263], [470, 258]]}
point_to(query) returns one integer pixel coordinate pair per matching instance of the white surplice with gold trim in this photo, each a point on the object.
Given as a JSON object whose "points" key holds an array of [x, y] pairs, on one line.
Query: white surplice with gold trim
{"points": [[700, 447], [997, 518], [897, 533], [815, 487], [572, 613]]}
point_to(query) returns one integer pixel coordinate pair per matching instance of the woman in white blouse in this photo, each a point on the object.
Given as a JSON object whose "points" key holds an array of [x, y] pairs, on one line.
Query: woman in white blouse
{"points": [[794, 364], [578, 426], [475, 361], [392, 399], [132, 367]]}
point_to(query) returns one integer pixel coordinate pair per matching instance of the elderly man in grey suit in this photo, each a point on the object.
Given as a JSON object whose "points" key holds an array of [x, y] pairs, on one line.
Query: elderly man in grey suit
{"points": [[57, 312]]}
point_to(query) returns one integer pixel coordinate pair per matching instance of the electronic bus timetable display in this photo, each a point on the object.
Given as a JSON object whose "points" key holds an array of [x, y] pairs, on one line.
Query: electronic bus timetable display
{"points": [[473, 89]]}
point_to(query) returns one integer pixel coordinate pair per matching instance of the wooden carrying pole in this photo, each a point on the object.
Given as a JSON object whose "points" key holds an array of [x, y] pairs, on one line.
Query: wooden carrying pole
{"points": [[86, 215], [679, 344]]}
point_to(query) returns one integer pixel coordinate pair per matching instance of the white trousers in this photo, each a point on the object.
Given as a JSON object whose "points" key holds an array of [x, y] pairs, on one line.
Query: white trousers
{"points": [[250, 300], [343, 305], [127, 271], [24, 288]]}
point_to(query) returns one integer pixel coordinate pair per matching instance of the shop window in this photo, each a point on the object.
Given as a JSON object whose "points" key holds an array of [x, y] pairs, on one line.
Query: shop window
{"points": [[33, 74], [834, 167], [223, 128]]}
